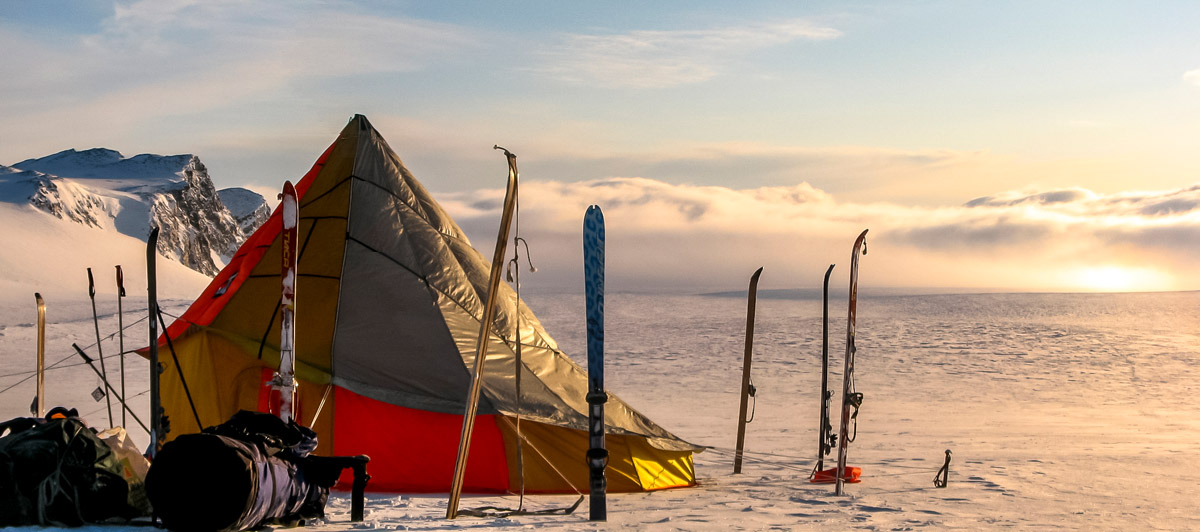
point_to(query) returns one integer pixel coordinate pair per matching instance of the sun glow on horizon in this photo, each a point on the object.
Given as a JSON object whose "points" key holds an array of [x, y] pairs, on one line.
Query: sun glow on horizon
{"points": [[1110, 278]]}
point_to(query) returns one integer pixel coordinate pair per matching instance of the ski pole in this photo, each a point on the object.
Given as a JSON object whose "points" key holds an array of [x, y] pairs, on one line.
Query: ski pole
{"points": [[96, 322], [121, 333], [120, 399]]}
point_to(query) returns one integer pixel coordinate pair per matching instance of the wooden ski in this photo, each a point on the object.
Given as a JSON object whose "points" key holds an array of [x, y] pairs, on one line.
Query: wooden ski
{"points": [[485, 328], [747, 388], [39, 401]]}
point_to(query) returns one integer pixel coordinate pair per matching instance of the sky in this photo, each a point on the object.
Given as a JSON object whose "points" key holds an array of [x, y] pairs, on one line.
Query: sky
{"points": [[1046, 146]]}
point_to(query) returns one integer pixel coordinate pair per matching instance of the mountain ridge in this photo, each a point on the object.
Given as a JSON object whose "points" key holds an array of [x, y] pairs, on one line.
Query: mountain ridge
{"points": [[102, 189]]}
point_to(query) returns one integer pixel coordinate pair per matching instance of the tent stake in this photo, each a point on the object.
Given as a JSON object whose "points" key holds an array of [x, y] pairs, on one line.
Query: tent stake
{"points": [[485, 327], [751, 300]]}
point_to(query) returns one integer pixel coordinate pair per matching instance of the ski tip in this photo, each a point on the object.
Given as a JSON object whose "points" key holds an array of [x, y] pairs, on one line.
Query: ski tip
{"points": [[37, 296], [757, 273], [594, 213]]}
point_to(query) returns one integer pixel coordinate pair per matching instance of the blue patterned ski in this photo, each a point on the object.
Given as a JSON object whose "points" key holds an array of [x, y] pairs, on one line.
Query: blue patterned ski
{"points": [[593, 273]]}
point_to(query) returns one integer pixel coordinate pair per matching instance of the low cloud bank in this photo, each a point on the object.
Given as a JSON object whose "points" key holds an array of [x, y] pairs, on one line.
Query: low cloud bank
{"points": [[671, 236]]}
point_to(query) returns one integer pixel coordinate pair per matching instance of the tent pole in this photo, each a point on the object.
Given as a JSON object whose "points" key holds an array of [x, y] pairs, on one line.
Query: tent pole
{"points": [[485, 326]]}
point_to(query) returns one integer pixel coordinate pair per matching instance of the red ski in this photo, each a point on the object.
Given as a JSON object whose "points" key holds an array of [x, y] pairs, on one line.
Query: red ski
{"points": [[285, 379], [850, 399]]}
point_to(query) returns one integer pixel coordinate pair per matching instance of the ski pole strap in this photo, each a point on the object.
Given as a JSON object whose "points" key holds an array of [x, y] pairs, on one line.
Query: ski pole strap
{"points": [[855, 400], [751, 390]]}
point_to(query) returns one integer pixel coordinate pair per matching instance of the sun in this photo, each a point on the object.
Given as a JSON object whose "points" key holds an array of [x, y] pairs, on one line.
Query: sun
{"points": [[1112, 278]]}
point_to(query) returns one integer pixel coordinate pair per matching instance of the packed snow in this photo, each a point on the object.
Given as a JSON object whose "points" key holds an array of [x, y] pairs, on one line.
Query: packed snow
{"points": [[1065, 412]]}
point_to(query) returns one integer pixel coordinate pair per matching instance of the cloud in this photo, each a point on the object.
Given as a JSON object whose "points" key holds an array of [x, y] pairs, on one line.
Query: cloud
{"points": [[1192, 76], [152, 61], [658, 59], [664, 235]]}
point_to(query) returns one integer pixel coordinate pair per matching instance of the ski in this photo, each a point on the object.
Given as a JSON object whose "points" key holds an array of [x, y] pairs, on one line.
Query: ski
{"points": [[99, 348], [850, 399], [285, 378], [593, 274], [39, 401], [747, 387], [157, 434], [485, 328], [825, 438], [121, 334]]}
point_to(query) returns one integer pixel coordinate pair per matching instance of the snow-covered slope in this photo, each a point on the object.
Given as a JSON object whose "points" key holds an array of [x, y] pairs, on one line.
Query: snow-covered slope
{"points": [[102, 189]]}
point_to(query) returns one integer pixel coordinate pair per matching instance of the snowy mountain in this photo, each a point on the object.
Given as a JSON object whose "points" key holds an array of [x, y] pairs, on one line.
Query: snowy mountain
{"points": [[103, 189], [249, 208]]}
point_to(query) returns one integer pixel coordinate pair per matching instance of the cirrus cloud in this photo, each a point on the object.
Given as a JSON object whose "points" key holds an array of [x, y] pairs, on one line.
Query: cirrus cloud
{"points": [[666, 58]]}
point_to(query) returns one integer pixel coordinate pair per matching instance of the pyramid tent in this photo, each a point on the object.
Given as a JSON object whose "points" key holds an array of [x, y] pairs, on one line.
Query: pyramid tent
{"points": [[389, 300]]}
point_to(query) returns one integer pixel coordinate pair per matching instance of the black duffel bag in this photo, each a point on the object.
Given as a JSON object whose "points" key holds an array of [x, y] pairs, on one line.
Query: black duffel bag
{"points": [[250, 471]]}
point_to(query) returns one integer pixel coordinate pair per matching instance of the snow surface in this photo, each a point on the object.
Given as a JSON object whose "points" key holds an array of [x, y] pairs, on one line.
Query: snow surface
{"points": [[45, 254], [1064, 411]]}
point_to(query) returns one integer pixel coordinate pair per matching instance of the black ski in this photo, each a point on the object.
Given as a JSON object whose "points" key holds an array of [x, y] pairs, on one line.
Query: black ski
{"points": [[157, 435], [825, 437]]}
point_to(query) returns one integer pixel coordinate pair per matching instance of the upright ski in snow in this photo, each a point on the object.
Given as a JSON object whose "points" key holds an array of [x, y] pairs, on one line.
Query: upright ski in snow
{"points": [[39, 401], [485, 329], [825, 438], [157, 434], [747, 387], [285, 378], [850, 399], [593, 273]]}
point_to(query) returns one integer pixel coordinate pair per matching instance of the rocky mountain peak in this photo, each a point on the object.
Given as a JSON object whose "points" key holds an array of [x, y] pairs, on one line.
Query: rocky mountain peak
{"points": [[101, 188]]}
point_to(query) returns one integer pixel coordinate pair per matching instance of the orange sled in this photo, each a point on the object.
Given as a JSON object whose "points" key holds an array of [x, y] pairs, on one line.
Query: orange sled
{"points": [[829, 476]]}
